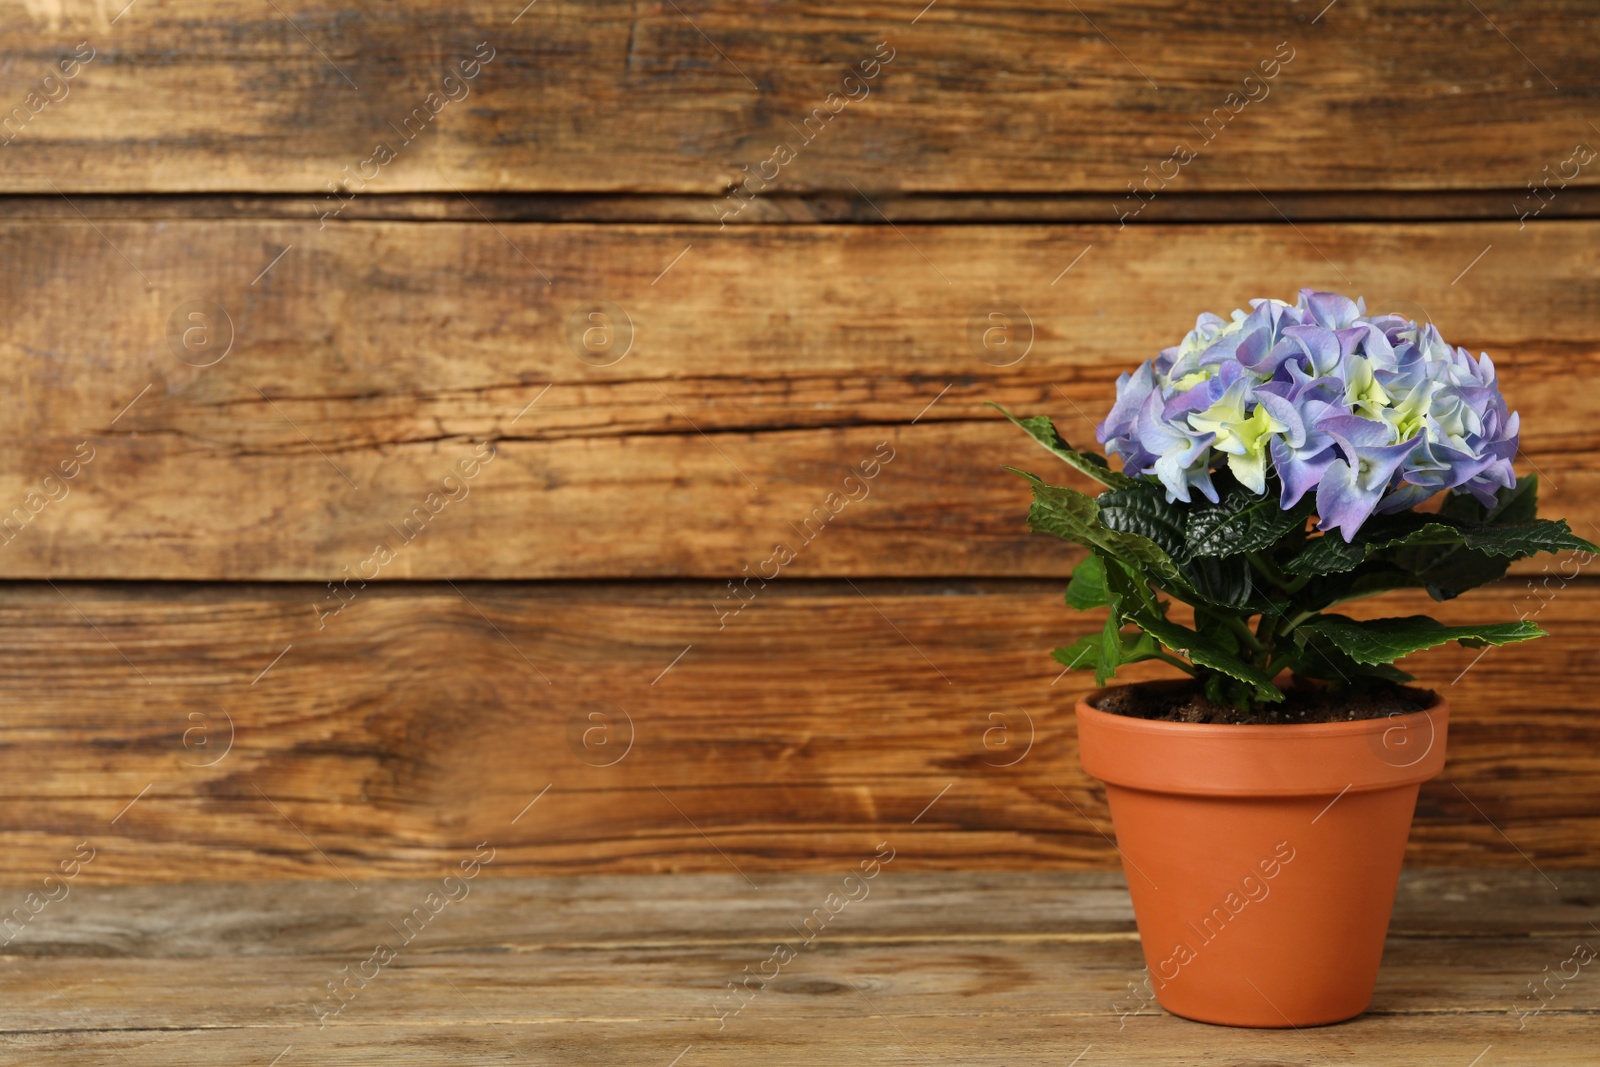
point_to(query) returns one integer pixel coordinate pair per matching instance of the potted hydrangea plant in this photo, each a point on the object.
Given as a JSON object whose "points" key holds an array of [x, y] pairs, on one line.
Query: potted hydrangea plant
{"points": [[1276, 466]]}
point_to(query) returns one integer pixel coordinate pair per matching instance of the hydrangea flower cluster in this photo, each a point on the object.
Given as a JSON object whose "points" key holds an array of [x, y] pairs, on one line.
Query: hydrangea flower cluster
{"points": [[1376, 414]]}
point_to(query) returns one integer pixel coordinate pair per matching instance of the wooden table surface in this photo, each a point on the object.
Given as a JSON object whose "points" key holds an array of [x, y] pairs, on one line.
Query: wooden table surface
{"points": [[1002, 968]]}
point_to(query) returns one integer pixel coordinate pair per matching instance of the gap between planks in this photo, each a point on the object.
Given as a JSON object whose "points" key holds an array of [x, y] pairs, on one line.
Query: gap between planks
{"points": [[813, 208]]}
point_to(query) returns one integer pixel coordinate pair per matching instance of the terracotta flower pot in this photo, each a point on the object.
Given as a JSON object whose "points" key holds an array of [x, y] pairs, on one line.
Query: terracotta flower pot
{"points": [[1262, 860]]}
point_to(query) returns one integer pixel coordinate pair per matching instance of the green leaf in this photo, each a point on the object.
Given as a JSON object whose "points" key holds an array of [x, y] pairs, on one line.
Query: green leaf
{"points": [[1215, 625], [1328, 554], [1042, 430], [1143, 509], [1321, 658], [1368, 579], [1240, 522], [1084, 654], [1064, 513], [1088, 653], [1379, 641], [1467, 544], [1519, 539], [1138, 646], [1448, 555], [1421, 531], [1110, 650], [1205, 653], [1514, 540], [1128, 592], [1450, 571], [1227, 582], [1217, 537], [1088, 586], [1517, 503], [1074, 516]]}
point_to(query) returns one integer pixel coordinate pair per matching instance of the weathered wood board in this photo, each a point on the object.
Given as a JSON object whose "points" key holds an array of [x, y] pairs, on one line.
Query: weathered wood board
{"points": [[263, 400], [192, 732], [616, 96]]}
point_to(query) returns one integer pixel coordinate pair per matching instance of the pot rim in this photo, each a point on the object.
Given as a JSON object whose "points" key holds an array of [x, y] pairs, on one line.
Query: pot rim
{"points": [[1264, 731], [1244, 760]]}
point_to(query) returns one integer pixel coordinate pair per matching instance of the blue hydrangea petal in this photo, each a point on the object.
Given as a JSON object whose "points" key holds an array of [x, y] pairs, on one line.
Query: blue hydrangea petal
{"points": [[1299, 473], [1322, 348], [1331, 310], [1132, 391], [1375, 413], [1341, 505]]}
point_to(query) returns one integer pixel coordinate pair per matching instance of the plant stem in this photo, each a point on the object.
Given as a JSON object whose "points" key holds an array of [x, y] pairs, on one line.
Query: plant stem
{"points": [[1176, 662], [1290, 623], [1274, 665], [1266, 632], [1241, 628], [1269, 570]]}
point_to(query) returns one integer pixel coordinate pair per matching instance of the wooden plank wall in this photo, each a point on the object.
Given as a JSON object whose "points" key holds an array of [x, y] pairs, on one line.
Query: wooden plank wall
{"points": [[398, 504]]}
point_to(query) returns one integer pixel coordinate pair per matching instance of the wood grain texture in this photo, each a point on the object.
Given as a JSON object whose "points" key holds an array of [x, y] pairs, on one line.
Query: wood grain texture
{"points": [[245, 95], [925, 968], [259, 375], [764, 364], [615, 728], [941, 1040], [200, 920]]}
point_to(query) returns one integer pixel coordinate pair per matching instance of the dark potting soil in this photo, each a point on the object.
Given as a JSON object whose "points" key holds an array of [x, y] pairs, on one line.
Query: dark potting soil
{"points": [[1182, 702]]}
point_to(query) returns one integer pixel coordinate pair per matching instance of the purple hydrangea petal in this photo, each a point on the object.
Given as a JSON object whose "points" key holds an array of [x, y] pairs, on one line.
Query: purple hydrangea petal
{"points": [[1330, 310], [1341, 505], [1374, 413], [1132, 391], [1299, 474], [1322, 348]]}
